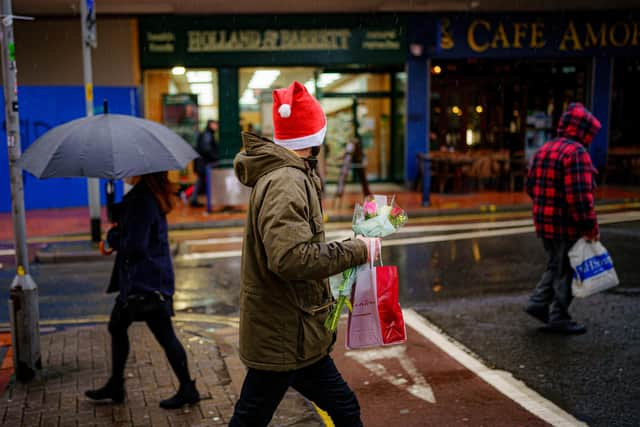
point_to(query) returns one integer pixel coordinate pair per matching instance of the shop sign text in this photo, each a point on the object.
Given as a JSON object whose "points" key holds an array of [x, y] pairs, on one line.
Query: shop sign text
{"points": [[572, 36]]}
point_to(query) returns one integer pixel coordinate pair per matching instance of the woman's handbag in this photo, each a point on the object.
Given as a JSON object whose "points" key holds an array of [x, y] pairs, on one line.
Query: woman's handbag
{"points": [[593, 268], [142, 305], [376, 318]]}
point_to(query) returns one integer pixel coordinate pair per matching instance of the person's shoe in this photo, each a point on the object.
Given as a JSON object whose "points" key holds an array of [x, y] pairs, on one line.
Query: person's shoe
{"points": [[196, 204], [113, 389], [187, 395], [539, 311], [565, 327]]}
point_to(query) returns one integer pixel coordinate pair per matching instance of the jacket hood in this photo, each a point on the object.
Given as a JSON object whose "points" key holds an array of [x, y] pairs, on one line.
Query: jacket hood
{"points": [[578, 124], [262, 156]]}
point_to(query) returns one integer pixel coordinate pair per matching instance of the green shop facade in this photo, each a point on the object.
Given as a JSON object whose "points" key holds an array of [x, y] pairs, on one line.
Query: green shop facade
{"points": [[355, 65]]}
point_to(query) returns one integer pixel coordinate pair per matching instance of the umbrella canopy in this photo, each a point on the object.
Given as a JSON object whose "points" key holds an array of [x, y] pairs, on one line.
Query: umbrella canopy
{"points": [[110, 146]]}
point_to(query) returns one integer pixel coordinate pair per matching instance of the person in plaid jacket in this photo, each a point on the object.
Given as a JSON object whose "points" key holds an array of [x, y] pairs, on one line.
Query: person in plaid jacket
{"points": [[561, 184]]}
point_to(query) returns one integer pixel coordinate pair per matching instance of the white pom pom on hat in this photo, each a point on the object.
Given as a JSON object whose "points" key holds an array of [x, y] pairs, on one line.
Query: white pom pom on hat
{"points": [[285, 111], [307, 128]]}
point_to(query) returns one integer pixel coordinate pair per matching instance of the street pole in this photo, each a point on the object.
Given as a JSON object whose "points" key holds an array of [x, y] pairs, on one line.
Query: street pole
{"points": [[88, 25], [23, 297]]}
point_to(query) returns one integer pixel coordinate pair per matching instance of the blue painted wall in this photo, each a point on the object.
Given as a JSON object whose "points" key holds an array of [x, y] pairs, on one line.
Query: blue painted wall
{"points": [[417, 114], [601, 108], [42, 108]]}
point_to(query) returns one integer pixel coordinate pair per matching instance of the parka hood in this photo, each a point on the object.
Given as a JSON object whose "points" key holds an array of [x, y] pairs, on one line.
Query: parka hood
{"points": [[578, 124], [262, 156]]}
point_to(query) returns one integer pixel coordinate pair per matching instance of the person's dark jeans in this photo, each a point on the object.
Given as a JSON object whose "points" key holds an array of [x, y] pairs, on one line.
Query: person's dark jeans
{"points": [[199, 186], [162, 329], [554, 288], [321, 383]]}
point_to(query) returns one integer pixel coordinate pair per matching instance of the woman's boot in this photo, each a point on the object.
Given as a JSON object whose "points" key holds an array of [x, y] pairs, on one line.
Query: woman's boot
{"points": [[187, 395], [113, 389]]}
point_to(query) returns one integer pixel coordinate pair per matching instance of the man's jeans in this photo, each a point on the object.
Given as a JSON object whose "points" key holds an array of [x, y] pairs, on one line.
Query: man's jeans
{"points": [[555, 285], [321, 383]]}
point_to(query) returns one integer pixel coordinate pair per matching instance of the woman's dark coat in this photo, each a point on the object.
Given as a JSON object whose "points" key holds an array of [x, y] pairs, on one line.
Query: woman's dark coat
{"points": [[143, 260]]}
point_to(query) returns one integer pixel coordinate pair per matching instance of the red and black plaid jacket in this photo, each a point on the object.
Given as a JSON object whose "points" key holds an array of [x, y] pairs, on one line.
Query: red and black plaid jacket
{"points": [[561, 179]]}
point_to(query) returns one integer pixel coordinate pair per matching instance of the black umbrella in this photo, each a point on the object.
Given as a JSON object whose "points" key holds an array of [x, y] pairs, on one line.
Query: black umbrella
{"points": [[110, 146]]}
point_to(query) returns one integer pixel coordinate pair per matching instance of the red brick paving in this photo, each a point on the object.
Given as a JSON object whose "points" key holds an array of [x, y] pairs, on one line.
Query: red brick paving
{"points": [[78, 358]]}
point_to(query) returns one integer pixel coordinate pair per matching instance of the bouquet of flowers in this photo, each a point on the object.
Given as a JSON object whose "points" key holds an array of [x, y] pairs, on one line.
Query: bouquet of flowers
{"points": [[376, 217]]}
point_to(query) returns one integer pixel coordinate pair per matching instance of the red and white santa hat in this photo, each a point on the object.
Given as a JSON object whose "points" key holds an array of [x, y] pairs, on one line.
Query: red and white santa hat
{"points": [[298, 119]]}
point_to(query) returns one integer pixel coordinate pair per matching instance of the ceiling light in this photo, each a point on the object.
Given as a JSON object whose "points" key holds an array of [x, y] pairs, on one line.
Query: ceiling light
{"points": [[326, 79], [437, 69], [199, 76], [311, 86], [178, 71], [479, 109], [204, 92], [263, 79], [248, 98]]}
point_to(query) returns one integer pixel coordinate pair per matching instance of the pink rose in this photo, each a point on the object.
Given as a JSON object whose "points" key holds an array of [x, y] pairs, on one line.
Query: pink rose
{"points": [[396, 211], [370, 208]]}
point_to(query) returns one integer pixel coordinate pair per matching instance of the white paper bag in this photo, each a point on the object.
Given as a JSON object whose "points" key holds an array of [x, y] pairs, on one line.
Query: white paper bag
{"points": [[364, 322], [593, 268]]}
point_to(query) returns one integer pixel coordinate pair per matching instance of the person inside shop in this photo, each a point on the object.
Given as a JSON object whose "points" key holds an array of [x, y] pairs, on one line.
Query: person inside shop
{"points": [[144, 279], [207, 148]]}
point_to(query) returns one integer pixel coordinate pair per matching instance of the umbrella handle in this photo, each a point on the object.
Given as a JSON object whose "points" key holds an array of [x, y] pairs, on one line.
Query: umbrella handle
{"points": [[103, 250]]}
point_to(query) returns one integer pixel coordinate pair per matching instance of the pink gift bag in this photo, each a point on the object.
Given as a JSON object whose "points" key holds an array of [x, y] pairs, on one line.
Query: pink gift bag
{"points": [[376, 319]]}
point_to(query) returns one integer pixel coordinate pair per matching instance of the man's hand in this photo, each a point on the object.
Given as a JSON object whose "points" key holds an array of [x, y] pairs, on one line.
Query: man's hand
{"points": [[593, 236], [371, 241]]}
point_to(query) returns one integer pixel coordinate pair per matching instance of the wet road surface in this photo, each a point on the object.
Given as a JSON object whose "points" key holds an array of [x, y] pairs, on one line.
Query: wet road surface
{"points": [[473, 288]]}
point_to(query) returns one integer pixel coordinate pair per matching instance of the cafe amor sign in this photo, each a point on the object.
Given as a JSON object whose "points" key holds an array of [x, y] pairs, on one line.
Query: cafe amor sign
{"points": [[530, 34]]}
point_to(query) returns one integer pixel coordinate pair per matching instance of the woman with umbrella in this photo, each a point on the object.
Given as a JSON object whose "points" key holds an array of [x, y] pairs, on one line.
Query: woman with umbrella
{"points": [[115, 146], [143, 277]]}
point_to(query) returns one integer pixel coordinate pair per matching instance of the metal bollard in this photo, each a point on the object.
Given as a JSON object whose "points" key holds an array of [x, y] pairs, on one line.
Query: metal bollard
{"points": [[25, 327]]}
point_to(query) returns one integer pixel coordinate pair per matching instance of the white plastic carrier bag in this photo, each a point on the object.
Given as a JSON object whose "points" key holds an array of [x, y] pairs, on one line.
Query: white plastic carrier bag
{"points": [[593, 268]]}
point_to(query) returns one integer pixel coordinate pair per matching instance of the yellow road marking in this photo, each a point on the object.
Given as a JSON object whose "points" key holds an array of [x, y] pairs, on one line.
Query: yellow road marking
{"points": [[326, 419]]}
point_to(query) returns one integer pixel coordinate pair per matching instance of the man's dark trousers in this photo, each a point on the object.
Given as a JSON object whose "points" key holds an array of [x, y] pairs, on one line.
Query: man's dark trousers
{"points": [[321, 383], [554, 287]]}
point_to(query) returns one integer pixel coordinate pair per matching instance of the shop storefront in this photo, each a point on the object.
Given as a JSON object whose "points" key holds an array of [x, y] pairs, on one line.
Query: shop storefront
{"points": [[495, 87], [225, 68]]}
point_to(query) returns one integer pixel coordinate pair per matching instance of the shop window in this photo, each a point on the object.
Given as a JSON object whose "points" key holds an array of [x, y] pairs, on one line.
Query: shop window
{"points": [[183, 99], [623, 160], [357, 105]]}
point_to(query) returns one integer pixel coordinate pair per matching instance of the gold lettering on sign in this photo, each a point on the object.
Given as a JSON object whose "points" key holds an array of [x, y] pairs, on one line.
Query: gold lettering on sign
{"points": [[519, 31], [592, 39], [537, 34], [626, 31], [570, 35], [500, 36], [471, 35], [446, 41], [270, 40]]}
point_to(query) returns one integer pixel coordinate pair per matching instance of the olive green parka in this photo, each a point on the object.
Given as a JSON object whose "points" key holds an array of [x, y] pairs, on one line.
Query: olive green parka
{"points": [[285, 295]]}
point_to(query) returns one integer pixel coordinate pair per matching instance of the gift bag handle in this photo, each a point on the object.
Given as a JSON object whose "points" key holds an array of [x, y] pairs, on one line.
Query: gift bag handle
{"points": [[372, 247]]}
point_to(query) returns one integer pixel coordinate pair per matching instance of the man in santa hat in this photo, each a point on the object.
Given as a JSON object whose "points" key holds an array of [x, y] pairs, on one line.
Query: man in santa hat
{"points": [[285, 295]]}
